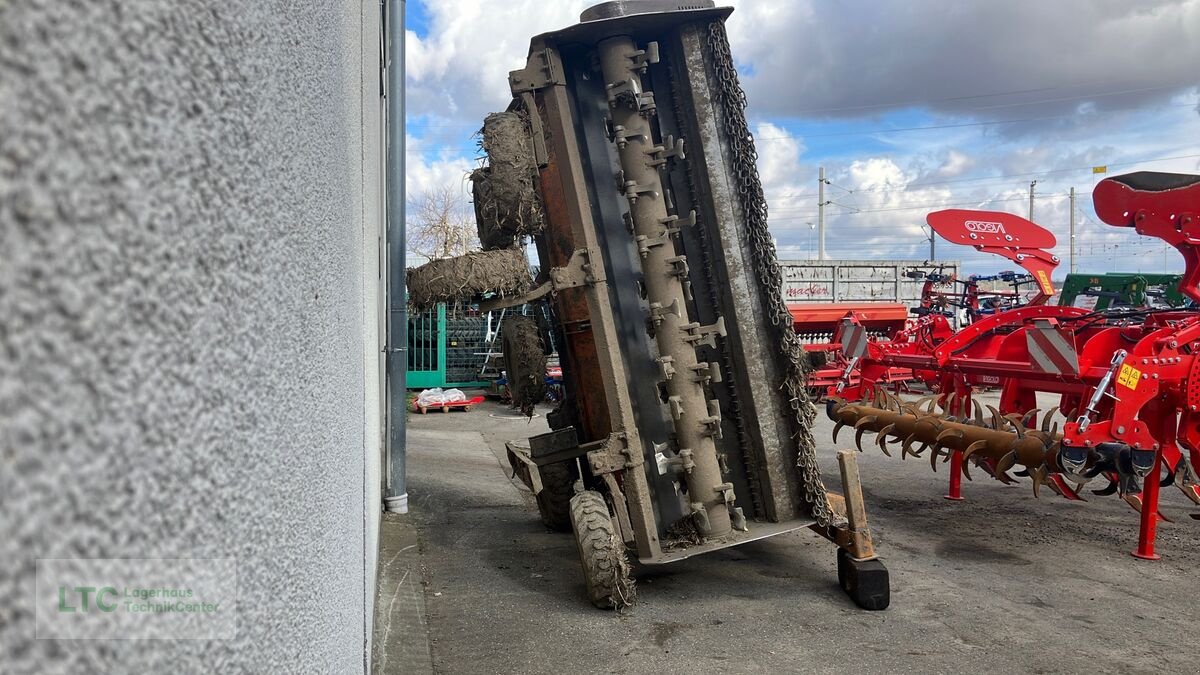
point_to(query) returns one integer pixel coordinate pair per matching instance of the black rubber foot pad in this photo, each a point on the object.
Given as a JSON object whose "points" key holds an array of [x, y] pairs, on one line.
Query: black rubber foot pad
{"points": [[865, 581]]}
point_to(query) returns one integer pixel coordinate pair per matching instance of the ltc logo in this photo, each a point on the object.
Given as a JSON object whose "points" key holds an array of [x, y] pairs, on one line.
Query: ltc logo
{"points": [[984, 227], [84, 598]]}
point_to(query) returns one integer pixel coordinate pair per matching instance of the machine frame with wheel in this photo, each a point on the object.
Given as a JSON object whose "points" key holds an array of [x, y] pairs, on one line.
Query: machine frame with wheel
{"points": [[685, 420]]}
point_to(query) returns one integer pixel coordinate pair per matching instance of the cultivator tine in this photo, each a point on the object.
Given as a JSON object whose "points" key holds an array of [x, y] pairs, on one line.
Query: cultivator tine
{"points": [[997, 418], [1006, 462], [881, 439], [1038, 476], [938, 452], [1192, 492], [978, 413], [1186, 480], [972, 449], [837, 428], [949, 433], [1046, 421], [1135, 500], [1065, 489], [1111, 490], [950, 406], [861, 427], [1018, 428], [1029, 420]]}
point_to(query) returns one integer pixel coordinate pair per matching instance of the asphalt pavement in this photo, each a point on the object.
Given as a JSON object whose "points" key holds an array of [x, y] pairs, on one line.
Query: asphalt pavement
{"points": [[1001, 581]]}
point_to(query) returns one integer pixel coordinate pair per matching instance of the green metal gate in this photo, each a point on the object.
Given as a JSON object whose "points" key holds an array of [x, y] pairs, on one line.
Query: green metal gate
{"points": [[446, 348]]}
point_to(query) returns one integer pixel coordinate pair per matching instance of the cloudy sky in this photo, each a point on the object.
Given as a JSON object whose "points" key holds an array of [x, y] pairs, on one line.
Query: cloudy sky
{"points": [[910, 105]]}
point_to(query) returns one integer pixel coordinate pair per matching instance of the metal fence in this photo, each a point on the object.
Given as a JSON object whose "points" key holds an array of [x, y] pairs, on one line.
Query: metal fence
{"points": [[447, 347]]}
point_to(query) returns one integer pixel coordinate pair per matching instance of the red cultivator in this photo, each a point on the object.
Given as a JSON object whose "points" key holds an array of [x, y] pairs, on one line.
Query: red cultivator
{"points": [[1128, 382]]}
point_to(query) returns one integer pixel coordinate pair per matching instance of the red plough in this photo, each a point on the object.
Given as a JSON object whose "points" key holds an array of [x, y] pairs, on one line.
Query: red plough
{"points": [[1128, 381]]}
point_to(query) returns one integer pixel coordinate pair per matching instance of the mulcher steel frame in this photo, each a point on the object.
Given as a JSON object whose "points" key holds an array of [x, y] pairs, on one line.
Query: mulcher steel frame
{"points": [[672, 366]]}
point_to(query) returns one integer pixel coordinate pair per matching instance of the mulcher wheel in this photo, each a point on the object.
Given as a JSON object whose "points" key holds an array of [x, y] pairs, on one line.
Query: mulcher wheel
{"points": [[601, 552], [554, 501]]}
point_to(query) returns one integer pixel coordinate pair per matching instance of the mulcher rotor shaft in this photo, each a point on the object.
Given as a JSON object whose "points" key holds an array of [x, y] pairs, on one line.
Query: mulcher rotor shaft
{"points": [[696, 419]]}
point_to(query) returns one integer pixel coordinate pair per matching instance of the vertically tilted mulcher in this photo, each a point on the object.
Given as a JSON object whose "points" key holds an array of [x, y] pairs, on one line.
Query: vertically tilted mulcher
{"points": [[626, 159]]}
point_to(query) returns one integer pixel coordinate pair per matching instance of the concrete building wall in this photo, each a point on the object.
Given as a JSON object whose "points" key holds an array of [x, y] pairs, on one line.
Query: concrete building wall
{"points": [[189, 223]]}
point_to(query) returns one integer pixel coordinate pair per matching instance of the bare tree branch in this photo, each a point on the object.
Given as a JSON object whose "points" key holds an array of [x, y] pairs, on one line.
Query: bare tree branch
{"points": [[441, 224]]}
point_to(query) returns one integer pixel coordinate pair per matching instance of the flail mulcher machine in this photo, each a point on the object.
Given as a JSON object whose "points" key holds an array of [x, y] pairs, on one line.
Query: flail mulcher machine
{"points": [[685, 427], [1128, 380]]}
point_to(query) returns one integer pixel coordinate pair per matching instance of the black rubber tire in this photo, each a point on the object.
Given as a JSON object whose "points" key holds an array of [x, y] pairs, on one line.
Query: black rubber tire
{"points": [[554, 501], [601, 552], [524, 361]]}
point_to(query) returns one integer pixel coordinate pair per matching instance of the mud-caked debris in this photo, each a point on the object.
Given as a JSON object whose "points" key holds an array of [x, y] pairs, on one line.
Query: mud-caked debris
{"points": [[507, 206], [469, 277]]}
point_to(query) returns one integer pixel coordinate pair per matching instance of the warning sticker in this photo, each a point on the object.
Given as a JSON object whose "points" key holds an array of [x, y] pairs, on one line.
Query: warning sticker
{"points": [[1044, 282], [1129, 377]]}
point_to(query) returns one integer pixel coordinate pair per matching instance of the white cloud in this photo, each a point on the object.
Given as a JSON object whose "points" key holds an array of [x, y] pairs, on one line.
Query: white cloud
{"points": [[825, 58], [804, 57]]}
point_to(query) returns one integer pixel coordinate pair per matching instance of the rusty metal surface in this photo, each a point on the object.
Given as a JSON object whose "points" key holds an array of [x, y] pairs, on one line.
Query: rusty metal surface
{"points": [[572, 213]]}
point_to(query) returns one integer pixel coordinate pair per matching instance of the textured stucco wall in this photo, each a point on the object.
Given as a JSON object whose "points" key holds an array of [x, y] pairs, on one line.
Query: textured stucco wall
{"points": [[186, 314]]}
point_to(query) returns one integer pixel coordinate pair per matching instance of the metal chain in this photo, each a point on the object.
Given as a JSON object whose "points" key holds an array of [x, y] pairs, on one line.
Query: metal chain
{"points": [[749, 457], [732, 101]]}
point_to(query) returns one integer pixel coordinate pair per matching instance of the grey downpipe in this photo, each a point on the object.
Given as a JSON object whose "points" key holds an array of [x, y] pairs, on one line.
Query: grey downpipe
{"points": [[396, 497]]}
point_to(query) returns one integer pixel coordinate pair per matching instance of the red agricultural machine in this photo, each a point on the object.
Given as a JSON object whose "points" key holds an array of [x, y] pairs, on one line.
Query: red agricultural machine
{"points": [[820, 331], [942, 297], [1128, 381]]}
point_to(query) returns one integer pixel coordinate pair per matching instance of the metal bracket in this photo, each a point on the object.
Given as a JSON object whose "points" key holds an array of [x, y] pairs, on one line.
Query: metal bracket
{"points": [[674, 223], [645, 243], [679, 266], [578, 271], [706, 372], [666, 364], [542, 69], [642, 58], [670, 148], [622, 139], [658, 312], [713, 421], [704, 335], [631, 190], [613, 454]]}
